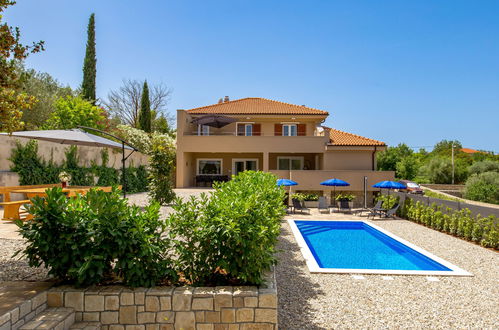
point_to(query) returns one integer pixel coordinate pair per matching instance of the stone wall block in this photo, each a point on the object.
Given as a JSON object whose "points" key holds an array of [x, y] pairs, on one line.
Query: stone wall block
{"points": [[126, 298], [160, 291], [205, 326], [165, 317], [228, 315], [267, 300], [250, 301], [266, 315], [256, 326], [109, 317], [185, 320], [245, 315], [128, 315], [182, 298], [111, 303], [202, 304], [139, 298], [223, 299], [25, 308], [91, 316], [74, 300], [245, 291], [165, 303], [94, 303], [146, 317], [212, 317], [55, 299], [204, 292], [151, 304], [38, 300], [199, 316]]}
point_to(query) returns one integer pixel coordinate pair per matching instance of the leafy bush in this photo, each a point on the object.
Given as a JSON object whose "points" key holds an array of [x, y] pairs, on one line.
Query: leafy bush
{"points": [[229, 236], [389, 201], [484, 166], [95, 237], [305, 197], [483, 187], [31, 168], [484, 231], [345, 196]]}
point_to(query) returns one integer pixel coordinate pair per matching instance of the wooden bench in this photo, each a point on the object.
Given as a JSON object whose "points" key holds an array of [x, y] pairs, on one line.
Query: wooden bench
{"points": [[12, 210]]}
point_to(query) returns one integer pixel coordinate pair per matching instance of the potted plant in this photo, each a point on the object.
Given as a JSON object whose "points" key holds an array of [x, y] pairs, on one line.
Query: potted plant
{"points": [[308, 200], [65, 177], [345, 197]]}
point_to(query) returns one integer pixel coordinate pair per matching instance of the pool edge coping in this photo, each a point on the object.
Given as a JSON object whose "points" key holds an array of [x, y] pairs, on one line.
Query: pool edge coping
{"points": [[314, 267]]}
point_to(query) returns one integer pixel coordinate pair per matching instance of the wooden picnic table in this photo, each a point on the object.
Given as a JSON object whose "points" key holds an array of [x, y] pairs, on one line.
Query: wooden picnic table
{"points": [[32, 192]]}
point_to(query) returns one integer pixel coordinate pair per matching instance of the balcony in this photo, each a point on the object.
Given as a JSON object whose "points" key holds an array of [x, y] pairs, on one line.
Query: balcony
{"points": [[229, 142]]}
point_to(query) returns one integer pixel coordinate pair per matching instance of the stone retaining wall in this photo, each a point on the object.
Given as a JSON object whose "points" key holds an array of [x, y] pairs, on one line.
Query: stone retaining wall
{"points": [[185, 308]]}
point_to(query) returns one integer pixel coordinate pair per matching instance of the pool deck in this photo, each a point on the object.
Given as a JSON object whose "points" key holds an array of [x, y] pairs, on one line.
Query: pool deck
{"points": [[326, 301]]}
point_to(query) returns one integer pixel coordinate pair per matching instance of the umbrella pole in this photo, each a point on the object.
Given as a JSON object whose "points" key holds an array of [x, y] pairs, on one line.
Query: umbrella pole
{"points": [[123, 168]]}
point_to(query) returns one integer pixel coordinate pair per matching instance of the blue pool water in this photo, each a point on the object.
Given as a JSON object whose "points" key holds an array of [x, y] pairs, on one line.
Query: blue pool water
{"points": [[356, 245]]}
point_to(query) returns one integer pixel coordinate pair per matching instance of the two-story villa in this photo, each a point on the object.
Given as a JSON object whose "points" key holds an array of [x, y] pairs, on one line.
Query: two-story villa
{"points": [[285, 139]]}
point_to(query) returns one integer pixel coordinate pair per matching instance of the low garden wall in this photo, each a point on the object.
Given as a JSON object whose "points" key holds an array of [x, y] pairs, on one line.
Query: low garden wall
{"points": [[224, 307]]}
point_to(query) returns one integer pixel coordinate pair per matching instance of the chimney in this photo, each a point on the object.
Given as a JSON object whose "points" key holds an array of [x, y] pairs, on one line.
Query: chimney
{"points": [[226, 99], [220, 100]]}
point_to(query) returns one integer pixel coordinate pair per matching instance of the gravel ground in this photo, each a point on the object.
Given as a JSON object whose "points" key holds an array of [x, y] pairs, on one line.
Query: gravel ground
{"points": [[330, 301]]}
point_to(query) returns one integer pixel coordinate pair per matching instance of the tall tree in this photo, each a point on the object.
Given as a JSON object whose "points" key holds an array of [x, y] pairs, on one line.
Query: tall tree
{"points": [[12, 100], [145, 110], [90, 64], [124, 102]]}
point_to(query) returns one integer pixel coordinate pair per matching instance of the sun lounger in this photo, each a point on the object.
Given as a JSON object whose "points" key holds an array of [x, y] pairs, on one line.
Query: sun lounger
{"points": [[298, 206], [323, 205]]}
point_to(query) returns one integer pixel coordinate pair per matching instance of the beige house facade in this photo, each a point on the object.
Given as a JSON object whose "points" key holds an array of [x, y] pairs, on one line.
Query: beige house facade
{"points": [[285, 139]]}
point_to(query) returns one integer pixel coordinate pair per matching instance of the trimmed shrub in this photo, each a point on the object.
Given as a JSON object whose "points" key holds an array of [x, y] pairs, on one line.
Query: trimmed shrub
{"points": [[96, 237], [483, 187], [229, 236]]}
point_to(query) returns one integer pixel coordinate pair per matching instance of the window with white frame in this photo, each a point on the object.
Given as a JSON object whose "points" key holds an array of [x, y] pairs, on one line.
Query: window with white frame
{"points": [[209, 167], [203, 130], [290, 163], [289, 130]]}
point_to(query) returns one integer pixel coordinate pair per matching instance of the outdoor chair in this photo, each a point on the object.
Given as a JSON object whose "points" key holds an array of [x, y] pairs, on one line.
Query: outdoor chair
{"points": [[344, 206], [391, 212], [298, 206], [323, 205], [376, 210]]}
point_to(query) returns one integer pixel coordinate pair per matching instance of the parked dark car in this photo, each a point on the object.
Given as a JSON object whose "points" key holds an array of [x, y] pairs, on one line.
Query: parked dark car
{"points": [[412, 187]]}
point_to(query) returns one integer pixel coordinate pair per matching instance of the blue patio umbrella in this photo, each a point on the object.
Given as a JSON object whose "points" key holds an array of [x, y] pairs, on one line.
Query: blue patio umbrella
{"points": [[335, 183], [286, 182], [389, 185]]}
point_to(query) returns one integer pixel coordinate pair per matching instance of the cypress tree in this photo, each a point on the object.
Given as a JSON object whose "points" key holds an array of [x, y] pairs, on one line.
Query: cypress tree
{"points": [[145, 110], [89, 64]]}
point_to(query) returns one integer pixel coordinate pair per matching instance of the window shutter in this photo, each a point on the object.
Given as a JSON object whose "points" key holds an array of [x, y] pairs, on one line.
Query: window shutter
{"points": [[277, 129], [240, 129], [257, 129], [302, 129]]}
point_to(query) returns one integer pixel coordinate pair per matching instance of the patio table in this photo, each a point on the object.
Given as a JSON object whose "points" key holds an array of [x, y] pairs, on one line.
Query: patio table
{"points": [[30, 193]]}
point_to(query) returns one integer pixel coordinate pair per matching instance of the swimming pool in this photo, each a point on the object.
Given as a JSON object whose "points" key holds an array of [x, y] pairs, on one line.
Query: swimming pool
{"points": [[362, 247]]}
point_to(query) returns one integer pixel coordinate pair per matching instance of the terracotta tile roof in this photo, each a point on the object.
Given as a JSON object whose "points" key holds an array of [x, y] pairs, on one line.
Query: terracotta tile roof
{"points": [[470, 151], [340, 138], [256, 106]]}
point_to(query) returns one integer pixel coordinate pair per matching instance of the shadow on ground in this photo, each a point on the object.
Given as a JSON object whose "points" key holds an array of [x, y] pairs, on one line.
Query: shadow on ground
{"points": [[295, 290]]}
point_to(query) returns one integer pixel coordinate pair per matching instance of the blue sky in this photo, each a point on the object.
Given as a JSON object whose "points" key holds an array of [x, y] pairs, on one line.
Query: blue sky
{"points": [[397, 71]]}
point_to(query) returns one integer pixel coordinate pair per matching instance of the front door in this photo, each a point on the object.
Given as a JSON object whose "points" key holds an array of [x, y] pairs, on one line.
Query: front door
{"points": [[241, 165]]}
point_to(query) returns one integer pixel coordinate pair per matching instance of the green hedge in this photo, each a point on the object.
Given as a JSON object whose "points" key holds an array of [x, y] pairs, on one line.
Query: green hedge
{"points": [[33, 170], [482, 230]]}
